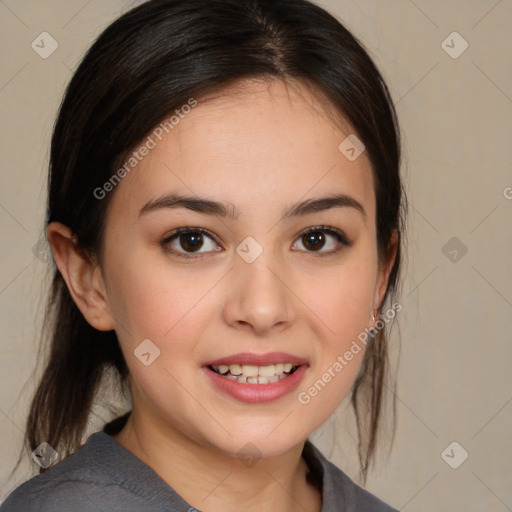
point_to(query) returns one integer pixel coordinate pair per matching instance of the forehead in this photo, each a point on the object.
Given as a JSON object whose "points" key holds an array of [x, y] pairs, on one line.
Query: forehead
{"points": [[253, 145]]}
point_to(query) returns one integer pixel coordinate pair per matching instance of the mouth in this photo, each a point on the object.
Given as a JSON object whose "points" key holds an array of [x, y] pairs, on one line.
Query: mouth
{"points": [[256, 378], [251, 374]]}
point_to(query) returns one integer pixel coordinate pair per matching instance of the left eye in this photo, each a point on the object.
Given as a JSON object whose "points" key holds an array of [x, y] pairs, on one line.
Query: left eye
{"points": [[315, 238]]}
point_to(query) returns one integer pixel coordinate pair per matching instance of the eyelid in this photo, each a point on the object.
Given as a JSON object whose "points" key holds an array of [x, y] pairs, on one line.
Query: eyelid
{"points": [[340, 236]]}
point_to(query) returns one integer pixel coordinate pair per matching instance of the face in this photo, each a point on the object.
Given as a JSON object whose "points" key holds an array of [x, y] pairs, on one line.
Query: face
{"points": [[261, 277]]}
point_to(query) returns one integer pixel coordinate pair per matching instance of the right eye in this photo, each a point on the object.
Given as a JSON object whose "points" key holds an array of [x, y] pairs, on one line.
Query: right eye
{"points": [[190, 239]]}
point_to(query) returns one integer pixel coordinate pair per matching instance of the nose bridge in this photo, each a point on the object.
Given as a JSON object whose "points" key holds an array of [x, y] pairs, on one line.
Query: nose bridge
{"points": [[259, 295]]}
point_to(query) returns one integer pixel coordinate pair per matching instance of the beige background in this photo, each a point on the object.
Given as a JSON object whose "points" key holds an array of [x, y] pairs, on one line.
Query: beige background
{"points": [[454, 373]]}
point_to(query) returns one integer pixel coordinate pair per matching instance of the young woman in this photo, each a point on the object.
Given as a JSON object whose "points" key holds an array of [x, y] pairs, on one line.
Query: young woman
{"points": [[225, 213]]}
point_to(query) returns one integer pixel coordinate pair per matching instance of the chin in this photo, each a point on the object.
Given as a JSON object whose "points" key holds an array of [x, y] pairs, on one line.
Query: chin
{"points": [[257, 442]]}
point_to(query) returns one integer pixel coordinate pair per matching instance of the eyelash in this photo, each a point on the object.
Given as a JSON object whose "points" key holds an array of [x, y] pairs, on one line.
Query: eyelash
{"points": [[336, 233]]}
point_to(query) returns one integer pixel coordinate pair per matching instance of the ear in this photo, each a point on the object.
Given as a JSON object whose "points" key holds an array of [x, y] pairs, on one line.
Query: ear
{"points": [[83, 276], [385, 270]]}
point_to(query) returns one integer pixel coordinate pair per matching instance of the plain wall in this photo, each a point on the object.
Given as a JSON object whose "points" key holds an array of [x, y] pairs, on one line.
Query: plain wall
{"points": [[454, 378]]}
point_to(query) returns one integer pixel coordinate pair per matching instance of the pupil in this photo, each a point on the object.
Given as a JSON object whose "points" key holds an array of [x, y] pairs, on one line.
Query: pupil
{"points": [[196, 241], [310, 240]]}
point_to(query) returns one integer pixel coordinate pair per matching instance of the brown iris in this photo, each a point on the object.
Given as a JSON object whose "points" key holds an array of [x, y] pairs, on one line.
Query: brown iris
{"points": [[194, 241], [313, 240]]}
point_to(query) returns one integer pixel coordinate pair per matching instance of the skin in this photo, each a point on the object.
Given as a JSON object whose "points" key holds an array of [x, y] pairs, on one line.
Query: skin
{"points": [[260, 147]]}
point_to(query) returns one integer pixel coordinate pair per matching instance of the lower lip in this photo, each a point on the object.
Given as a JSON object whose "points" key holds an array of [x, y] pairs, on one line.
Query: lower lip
{"points": [[257, 393]]}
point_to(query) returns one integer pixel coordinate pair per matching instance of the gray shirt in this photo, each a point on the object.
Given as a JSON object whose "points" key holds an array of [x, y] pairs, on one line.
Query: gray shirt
{"points": [[103, 476]]}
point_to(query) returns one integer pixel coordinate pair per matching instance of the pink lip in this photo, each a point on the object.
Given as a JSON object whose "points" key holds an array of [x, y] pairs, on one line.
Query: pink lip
{"points": [[250, 358], [256, 393]]}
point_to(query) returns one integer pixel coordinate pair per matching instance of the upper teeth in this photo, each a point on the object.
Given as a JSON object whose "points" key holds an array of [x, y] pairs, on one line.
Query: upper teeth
{"points": [[254, 371]]}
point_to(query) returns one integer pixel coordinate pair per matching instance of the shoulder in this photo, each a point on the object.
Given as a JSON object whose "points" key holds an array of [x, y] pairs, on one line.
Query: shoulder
{"points": [[60, 494], [62, 487], [100, 476], [340, 492], [367, 502], [80, 483]]}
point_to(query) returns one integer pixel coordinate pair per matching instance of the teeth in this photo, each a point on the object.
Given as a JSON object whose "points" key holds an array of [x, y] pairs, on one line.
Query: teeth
{"points": [[235, 369], [255, 374], [250, 371]]}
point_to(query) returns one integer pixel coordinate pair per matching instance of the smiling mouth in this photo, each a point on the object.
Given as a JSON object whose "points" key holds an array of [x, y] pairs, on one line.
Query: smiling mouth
{"points": [[250, 374]]}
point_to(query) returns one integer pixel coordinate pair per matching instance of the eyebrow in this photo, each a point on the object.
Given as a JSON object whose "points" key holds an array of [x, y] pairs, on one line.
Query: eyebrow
{"points": [[210, 207]]}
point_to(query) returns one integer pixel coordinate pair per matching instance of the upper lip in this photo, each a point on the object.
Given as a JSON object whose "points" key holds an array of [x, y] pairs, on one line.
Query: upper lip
{"points": [[250, 358]]}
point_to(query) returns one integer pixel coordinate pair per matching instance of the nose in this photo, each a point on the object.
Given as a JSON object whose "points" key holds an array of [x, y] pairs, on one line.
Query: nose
{"points": [[260, 296]]}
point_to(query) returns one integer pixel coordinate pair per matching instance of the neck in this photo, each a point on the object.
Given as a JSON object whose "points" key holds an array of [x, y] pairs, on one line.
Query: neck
{"points": [[212, 481]]}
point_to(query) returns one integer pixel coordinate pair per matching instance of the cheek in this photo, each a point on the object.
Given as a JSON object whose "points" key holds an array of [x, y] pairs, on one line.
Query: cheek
{"points": [[342, 299], [343, 317], [172, 313], [156, 302]]}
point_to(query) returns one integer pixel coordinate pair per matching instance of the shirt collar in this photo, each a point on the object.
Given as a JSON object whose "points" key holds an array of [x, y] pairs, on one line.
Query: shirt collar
{"points": [[333, 484]]}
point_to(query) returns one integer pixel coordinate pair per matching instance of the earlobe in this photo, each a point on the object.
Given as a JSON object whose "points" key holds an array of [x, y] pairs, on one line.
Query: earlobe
{"points": [[82, 276], [385, 271]]}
